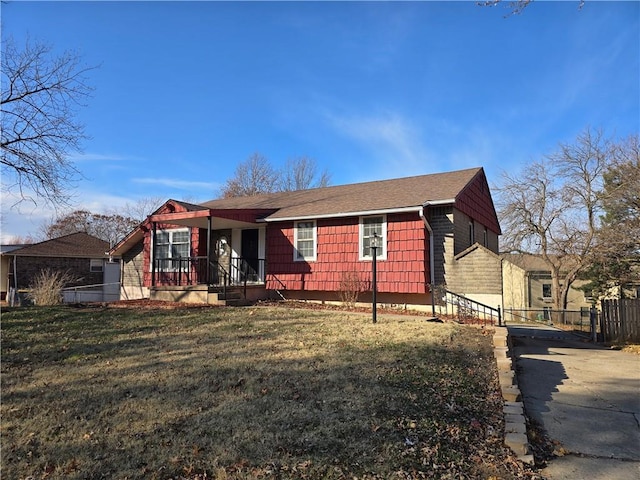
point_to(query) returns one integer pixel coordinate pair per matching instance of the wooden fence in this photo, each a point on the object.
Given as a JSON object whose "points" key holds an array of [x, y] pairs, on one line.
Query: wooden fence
{"points": [[620, 320]]}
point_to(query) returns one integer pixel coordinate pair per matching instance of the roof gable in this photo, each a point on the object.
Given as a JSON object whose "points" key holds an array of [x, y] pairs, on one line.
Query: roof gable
{"points": [[79, 245], [475, 200]]}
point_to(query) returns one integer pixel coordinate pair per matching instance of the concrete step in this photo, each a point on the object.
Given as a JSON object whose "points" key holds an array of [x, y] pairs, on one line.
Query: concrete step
{"points": [[517, 442]]}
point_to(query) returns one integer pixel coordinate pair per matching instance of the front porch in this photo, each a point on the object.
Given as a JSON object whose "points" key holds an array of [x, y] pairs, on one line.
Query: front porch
{"points": [[191, 253], [200, 280], [204, 294]]}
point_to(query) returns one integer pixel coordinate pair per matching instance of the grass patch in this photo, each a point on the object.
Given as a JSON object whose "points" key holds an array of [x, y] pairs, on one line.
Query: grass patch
{"points": [[260, 392]]}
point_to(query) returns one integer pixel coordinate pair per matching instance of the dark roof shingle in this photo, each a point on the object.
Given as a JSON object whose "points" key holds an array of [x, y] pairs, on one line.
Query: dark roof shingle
{"points": [[79, 245], [358, 197]]}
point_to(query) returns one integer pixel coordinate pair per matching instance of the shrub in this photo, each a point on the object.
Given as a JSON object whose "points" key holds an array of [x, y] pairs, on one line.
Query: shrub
{"points": [[350, 287], [46, 287]]}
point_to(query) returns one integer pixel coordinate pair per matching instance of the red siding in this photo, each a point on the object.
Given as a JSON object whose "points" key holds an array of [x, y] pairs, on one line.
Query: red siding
{"points": [[475, 201], [404, 270], [197, 246]]}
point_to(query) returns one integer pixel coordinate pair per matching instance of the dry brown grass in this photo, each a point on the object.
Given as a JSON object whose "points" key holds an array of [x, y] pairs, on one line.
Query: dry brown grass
{"points": [[260, 392]]}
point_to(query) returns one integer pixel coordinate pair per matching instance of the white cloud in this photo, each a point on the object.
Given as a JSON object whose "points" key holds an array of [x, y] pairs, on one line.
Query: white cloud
{"points": [[179, 184], [21, 218], [392, 139], [98, 157]]}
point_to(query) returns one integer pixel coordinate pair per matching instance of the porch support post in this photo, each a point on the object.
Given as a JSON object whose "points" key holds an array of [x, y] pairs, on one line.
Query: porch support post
{"points": [[153, 255], [209, 250]]}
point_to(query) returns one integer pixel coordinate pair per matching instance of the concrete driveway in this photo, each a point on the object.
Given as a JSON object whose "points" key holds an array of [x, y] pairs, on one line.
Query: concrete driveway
{"points": [[586, 397]]}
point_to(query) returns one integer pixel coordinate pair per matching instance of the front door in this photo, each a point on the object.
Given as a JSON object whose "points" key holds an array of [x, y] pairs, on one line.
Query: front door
{"points": [[221, 258], [250, 265]]}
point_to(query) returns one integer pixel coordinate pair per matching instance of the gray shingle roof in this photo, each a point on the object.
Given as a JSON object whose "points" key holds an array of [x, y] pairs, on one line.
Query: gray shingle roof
{"points": [[78, 245], [358, 197]]}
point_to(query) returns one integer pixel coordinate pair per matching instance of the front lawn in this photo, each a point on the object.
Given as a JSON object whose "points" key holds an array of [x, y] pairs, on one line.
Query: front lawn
{"points": [[254, 392]]}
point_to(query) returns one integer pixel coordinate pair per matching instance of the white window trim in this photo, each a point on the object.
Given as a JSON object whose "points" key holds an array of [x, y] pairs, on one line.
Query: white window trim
{"points": [[171, 231], [361, 255], [296, 254]]}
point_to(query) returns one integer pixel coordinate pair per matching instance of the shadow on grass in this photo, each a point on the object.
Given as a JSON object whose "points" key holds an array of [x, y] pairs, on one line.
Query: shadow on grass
{"points": [[165, 394]]}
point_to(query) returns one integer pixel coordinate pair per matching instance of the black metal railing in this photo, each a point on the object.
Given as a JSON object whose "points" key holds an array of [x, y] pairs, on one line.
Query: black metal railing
{"points": [[468, 310], [185, 271], [180, 271], [570, 319]]}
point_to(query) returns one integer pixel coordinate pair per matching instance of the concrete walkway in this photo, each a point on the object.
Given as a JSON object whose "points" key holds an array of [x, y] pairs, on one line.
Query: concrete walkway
{"points": [[586, 397]]}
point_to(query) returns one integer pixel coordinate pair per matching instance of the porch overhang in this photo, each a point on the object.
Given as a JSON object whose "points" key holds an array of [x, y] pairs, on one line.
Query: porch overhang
{"points": [[236, 218], [220, 218]]}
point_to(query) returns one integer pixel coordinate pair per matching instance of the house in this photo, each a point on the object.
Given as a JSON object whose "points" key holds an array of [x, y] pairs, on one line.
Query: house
{"points": [[5, 267], [527, 287], [83, 256], [305, 244]]}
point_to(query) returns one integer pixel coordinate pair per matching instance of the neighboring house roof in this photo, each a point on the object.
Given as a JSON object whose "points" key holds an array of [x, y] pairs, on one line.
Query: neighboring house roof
{"points": [[76, 245], [4, 249], [530, 262]]}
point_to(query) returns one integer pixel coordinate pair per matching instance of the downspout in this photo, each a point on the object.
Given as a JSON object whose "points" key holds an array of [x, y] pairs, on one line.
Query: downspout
{"points": [[153, 255], [432, 274], [14, 297], [15, 273]]}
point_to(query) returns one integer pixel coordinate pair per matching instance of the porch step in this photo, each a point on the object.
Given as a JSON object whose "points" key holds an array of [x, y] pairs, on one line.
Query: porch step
{"points": [[231, 297]]}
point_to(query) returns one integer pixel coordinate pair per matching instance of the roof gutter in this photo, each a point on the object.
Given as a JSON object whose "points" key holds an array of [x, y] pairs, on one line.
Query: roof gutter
{"points": [[345, 214]]}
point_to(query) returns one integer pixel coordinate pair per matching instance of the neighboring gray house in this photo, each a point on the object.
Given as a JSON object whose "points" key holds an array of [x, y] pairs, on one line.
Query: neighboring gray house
{"points": [[82, 255], [527, 285]]}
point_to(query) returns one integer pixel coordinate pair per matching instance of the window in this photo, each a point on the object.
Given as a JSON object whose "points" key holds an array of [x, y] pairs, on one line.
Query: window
{"points": [[171, 244], [369, 226], [95, 265], [305, 241], [546, 291], [485, 237], [472, 233]]}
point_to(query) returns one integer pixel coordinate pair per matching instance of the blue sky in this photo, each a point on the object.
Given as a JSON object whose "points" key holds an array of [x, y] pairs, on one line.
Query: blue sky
{"points": [[370, 90]]}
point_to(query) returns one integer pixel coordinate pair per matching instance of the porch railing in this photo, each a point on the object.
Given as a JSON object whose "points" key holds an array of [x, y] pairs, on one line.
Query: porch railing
{"points": [[180, 271], [185, 271]]}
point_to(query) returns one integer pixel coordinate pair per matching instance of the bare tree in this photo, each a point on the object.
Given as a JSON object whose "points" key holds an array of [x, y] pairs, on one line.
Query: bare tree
{"points": [[20, 240], [552, 208], [108, 227], [252, 177], [41, 94], [256, 175], [516, 6], [142, 208], [302, 173]]}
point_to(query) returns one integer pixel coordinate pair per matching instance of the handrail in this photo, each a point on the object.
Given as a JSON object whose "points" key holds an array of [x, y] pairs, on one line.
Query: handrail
{"points": [[465, 304], [98, 288], [275, 277], [226, 276], [77, 287]]}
